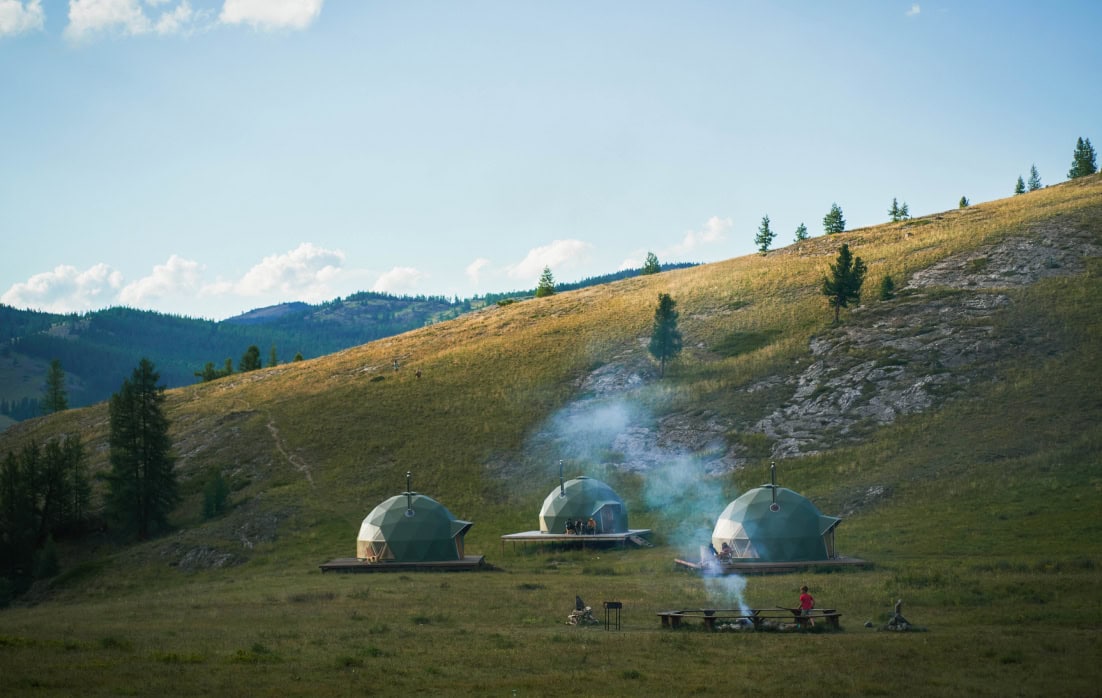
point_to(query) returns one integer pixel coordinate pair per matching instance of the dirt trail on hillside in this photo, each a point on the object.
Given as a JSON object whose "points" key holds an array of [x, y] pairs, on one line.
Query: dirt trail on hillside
{"points": [[294, 460]]}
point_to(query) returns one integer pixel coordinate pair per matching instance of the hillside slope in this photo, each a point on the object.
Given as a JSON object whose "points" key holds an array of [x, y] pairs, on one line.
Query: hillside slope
{"points": [[956, 428], [484, 406]]}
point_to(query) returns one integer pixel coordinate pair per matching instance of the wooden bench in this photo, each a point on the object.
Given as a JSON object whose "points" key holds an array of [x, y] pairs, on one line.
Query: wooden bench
{"points": [[709, 617], [830, 615]]}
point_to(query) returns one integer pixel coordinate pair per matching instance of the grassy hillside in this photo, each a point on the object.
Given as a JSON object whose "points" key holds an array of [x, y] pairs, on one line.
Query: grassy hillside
{"points": [[980, 510]]}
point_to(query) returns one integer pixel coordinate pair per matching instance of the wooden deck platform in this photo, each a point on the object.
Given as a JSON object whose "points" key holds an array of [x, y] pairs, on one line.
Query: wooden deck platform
{"points": [[745, 566], [635, 536], [355, 564]]}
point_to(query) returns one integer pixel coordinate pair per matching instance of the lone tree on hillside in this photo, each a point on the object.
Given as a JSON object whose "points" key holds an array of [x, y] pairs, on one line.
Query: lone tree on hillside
{"points": [[546, 285], [1083, 161], [887, 288], [1019, 188], [801, 232], [250, 360], [964, 202], [1034, 178], [765, 235], [665, 338], [843, 286], [651, 265], [55, 399], [833, 221], [897, 212], [142, 482]]}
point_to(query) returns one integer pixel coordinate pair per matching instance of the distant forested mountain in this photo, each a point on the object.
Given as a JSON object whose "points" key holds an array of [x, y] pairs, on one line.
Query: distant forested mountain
{"points": [[99, 349]]}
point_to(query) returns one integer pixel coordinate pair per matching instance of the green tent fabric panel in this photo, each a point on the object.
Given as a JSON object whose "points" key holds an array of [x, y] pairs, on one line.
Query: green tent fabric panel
{"points": [[414, 528], [788, 529], [580, 499]]}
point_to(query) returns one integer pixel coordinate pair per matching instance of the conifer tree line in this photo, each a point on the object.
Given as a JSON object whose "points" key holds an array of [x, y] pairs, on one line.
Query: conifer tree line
{"points": [[45, 490], [44, 494]]}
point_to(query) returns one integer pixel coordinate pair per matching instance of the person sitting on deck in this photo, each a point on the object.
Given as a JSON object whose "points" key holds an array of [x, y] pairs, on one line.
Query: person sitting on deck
{"points": [[591, 526], [570, 528], [725, 552]]}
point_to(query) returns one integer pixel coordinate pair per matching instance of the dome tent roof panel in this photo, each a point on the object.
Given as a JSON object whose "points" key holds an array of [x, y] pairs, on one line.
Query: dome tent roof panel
{"points": [[415, 528], [581, 499], [786, 527]]}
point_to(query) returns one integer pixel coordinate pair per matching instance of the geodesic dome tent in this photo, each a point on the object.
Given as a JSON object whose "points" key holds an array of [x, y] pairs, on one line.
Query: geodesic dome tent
{"points": [[775, 524], [411, 527], [580, 499]]}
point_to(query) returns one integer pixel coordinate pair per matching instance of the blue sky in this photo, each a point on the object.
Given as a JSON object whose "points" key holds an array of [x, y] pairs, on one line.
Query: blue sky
{"points": [[206, 157]]}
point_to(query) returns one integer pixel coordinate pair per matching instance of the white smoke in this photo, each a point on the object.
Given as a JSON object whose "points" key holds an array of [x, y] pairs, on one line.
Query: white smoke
{"points": [[676, 485]]}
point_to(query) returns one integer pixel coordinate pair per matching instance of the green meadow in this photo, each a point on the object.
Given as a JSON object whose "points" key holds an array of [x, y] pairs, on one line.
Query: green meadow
{"points": [[986, 522]]}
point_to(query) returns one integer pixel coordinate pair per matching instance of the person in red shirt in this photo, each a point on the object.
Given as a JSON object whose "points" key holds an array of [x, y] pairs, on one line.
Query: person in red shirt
{"points": [[807, 602]]}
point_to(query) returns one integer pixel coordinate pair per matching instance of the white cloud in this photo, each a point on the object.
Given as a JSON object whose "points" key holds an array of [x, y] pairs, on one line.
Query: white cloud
{"points": [[399, 280], [176, 277], [129, 17], [91, 16], [559, 254], [66, 289], [176, 21], [17, 16], [914, 11], [474, 269], [304, 273], [271, 14], [714, 231]]}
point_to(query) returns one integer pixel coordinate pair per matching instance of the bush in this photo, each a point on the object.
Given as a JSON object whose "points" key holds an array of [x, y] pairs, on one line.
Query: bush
{"points": [[216, 496], [45, 561]]}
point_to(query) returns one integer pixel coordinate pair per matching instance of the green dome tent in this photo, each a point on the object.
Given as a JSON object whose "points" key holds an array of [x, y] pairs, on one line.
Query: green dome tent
{"points": [[580, 499], [411, 527], [782, 528]]}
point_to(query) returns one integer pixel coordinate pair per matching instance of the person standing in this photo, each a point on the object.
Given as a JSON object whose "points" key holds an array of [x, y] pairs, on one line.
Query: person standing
{"points": [[807, 602]]}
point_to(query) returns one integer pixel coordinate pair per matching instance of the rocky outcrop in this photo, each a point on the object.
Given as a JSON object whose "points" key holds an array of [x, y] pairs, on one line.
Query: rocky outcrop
{"points": [[938, 337]]}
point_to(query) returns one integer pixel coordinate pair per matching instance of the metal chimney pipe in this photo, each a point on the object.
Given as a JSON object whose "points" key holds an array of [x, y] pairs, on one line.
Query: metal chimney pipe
{"points": [[409, 494], [773, 479]]}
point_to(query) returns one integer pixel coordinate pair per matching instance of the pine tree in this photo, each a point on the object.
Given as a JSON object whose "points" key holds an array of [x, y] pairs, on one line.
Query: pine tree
{"points": [[651, 265], [904, 212], [250, 360], [833, 221], [56, 399], [893, 212], [887, 288], [843, 286], [1034, 178], [665, 338], [765, 235], [546, 285], [1083, 161], [142, 483], [1019, 188], [964, 202], [801, 232]]}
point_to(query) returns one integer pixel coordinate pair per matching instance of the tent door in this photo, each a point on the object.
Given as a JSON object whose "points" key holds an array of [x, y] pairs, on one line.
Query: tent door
{"points": [[606, 518]]}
